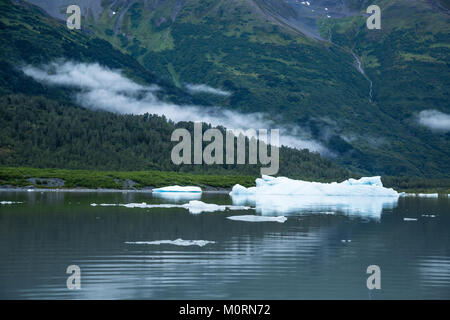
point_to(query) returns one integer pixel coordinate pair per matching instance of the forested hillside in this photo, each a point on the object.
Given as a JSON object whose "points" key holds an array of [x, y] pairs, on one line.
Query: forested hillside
{"points": [[39, 132], [312, 86], [244, 47]]}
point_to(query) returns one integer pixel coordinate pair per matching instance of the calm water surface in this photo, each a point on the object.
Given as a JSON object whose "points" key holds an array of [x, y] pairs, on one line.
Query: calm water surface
{"points": [[321, 251]]}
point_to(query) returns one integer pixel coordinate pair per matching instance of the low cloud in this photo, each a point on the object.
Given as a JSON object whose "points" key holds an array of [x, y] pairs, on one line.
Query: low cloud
{"points": [[434, 120], [106, 89], [203, 88]]}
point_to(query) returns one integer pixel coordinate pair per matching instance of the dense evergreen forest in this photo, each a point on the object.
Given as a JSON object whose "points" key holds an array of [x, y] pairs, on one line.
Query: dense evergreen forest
{"points": [[39, 132]]}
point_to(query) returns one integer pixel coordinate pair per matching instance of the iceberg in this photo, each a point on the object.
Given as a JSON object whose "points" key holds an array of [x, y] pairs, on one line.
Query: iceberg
{"points": [[421, 195], [366, 186], [428, 195], [249, 218], [194, 206], [10, 202], [177, 242], [178, 189], [281, 196]]}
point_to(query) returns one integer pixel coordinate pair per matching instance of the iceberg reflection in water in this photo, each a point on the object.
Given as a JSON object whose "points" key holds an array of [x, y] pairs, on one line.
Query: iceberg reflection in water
{"points": [[177, 196], [273, 205]]}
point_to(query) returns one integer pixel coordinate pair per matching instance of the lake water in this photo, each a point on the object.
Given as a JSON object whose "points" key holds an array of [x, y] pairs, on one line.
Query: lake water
{"points": [[321, 251]]}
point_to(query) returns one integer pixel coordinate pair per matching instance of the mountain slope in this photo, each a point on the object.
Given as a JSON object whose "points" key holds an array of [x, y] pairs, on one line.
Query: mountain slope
{"points": [[247, 48], [38, 132], [30, 37], [41, 125]]}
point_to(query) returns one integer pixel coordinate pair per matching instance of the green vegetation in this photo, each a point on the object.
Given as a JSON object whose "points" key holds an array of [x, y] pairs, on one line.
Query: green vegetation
{"points": [[39, 132], [93, 179], [417, 185], [18, 177], [311, 84]]}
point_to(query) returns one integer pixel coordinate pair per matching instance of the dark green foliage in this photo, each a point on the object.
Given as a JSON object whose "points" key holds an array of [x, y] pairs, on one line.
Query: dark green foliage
{"points": [[20, 177], [411, 184], [301, 81], [39, 132]]}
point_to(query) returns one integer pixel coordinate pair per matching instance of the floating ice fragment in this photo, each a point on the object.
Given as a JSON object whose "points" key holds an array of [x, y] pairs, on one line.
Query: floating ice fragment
{"points": [[428, 195], [142, 205], [178, 189], [10, 202], [249, 218], [409, 219], [194, 206], [177, 242]]}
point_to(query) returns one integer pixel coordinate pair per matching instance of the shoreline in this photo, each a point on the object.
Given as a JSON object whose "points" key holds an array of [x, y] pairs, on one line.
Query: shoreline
{"points": [[210, 190], [87, 190]]}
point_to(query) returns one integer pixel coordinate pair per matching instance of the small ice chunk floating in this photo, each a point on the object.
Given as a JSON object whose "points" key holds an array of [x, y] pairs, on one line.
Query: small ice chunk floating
{"points": [[248, 218], [188, 189], [194, 206], [177, 242]]}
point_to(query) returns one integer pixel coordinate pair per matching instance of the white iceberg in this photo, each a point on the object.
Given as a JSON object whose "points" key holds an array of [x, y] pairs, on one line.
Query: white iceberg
{"points": [[194, 206], [249, 218], [10, 202], [178, 189], [404, 194], [422, 195], [281, 196], [177, 242], [367, 187], [409, 219], [428, 195]]}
